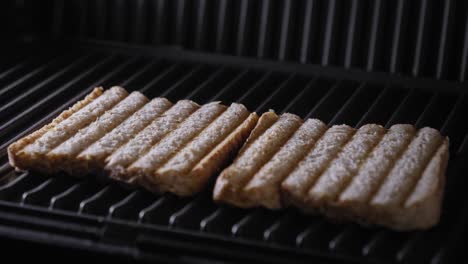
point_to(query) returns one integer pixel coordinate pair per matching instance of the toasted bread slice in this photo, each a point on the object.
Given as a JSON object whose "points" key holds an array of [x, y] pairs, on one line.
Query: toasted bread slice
{"points": [[117, 163], [34, 154], [93, 157], [399, 185], [229, 185], [22, 162], [264, 188], [63, 157], [394, 178]]}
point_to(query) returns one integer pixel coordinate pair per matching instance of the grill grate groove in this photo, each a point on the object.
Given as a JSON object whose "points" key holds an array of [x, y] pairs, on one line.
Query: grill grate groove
{"points": [[129, 207]]}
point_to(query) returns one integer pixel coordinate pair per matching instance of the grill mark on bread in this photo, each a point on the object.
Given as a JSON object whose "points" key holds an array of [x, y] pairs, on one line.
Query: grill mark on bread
{"points": [[68, 127], [422, 209], [209, 137], [333, 157], [117, 163], [424, 171], [407, 170], [264, 187], [377, 166], [347, 163], [230, 183], [94, 156], [221, 188], [19, 162], [167, 147], [361, 164], [194, 176], [434, 169], [308, 171], [63, 155], [237, 137], [189, 155]]}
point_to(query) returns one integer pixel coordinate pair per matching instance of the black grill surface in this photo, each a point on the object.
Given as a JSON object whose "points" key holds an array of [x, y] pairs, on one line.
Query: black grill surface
{"points": [[98, 214], [423, 38]]}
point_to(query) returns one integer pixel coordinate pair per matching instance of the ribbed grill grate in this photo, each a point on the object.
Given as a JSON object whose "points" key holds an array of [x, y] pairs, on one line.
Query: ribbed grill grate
{"points": [[424, 38], [37, 88]]}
